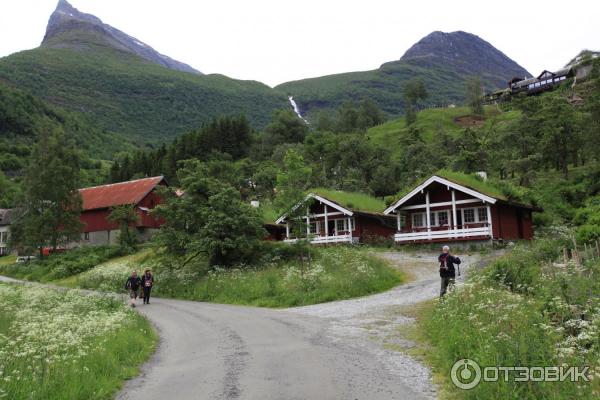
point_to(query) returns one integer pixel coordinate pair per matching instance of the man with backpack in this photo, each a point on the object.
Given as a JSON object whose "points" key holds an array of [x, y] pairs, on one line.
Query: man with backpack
{"points": [[447, 270], [147, 282], [133, 284]]}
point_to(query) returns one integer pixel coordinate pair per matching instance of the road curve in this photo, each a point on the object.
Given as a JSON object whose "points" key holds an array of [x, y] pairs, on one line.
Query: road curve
{"points": [[211, 351]]}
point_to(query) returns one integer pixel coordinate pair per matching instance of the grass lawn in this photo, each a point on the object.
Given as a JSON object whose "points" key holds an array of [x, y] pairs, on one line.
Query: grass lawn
{"points": [[66, 345]]}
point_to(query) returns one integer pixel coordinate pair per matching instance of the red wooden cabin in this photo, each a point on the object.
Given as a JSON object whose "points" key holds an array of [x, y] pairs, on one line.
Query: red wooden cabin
{"points": [[98, 200], [443, 210], [330, 221]]}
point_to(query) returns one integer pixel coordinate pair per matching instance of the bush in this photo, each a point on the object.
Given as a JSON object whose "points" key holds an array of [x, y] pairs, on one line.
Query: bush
{"points": [[62, 265]]}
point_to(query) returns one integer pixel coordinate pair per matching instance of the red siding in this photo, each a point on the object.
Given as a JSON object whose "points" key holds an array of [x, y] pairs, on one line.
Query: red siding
{"points": [[97, 220]]}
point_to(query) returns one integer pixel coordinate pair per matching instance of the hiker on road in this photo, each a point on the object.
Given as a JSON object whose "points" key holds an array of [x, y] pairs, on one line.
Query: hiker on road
{"points": [[147, 282], [133, 285], [447, 270]]}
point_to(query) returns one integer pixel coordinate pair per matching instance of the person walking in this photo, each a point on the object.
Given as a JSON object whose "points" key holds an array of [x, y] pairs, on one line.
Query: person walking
{"points": [[447, 270], [147, 282], [133, 285]]}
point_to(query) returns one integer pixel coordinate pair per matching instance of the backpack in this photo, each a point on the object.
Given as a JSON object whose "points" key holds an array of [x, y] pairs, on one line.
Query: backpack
{"points": [[443, 264]]}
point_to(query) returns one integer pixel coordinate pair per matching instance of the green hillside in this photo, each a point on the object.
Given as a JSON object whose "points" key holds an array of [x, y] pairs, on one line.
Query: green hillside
{"points": [[129, 96], [23, 117], [443, 61]]}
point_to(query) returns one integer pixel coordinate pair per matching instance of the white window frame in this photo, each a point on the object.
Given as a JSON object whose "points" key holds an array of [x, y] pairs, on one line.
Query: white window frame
{"points": [[476, 219], [344, 222], [423, 222], [447, 212], [86, 236], [482, 211], [316, 228]]}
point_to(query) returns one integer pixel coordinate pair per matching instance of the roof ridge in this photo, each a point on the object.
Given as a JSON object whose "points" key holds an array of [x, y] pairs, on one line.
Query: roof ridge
{"points": [[122, 183]]}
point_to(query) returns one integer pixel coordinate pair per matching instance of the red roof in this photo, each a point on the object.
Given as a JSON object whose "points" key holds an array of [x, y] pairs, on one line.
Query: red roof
{"points": [[117, 194]]}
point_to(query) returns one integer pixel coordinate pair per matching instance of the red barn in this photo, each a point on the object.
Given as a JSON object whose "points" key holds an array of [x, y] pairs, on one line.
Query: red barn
{"points": [[442, 209], [341, 217], [98, 200]]}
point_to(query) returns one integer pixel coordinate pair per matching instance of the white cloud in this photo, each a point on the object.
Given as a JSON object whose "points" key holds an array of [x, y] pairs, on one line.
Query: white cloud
{"points": [[277, 41]]}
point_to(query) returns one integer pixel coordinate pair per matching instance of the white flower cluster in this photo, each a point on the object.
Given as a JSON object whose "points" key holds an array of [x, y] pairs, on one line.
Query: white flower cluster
{"points": [[45, 328]]}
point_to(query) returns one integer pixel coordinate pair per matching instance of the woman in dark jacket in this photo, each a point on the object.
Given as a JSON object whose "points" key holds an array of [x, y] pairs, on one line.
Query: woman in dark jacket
{"points": [[147, 282]]}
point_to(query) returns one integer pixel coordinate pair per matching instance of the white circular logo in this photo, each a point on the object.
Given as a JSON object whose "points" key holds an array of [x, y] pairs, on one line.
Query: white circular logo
{"points": [[465, 374]]}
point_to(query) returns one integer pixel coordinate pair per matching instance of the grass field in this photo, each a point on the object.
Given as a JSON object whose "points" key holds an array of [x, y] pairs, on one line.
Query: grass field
{"points": [[334, 273], [66, 345]]}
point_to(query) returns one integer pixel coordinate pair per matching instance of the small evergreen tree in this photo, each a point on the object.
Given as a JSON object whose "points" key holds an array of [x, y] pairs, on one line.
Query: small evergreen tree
{"points": [[51, 203], [414, 92]]}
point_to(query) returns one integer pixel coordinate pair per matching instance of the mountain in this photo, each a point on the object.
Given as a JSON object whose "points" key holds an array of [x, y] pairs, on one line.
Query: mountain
{"points": [[443, 60], [70, 28], [87, 67]]}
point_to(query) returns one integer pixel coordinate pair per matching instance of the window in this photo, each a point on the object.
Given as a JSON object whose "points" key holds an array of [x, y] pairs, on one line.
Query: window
{"points": [[3, 237], [468, 215], [432, 219], [417, 220], [442, 218], [482, 214], [352, 225], [339, 225], [313, 228], [531, 86], [86, 236]]}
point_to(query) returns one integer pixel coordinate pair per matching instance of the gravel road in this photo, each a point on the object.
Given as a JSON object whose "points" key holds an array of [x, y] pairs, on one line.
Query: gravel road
{"points": [[338, 350], [327, 351]]}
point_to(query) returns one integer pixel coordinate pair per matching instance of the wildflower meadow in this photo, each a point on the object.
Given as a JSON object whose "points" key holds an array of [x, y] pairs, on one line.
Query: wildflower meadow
{"points": [[523, 310], [64, 344]]}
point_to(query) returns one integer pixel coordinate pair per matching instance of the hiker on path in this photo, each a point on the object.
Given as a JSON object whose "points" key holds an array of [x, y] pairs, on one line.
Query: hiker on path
{"points": [[447, 271], [147, 282], [133, 285]]}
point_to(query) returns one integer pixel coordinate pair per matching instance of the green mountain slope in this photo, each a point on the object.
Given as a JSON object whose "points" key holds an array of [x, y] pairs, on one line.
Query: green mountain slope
{"points": [[443, 60], [81, 70]]}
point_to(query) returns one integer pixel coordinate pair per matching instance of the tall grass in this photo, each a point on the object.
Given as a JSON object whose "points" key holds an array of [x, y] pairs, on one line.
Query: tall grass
{"points": [[334, 273], [522, 310], [65, 345]]}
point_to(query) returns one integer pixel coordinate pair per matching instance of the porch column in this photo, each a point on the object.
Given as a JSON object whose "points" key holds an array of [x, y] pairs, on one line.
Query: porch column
{"points": [[350, 226], [326, 222], [489, 216], [287, 229], [428, 215], [307, 224], [398, 221], [454, 225]]}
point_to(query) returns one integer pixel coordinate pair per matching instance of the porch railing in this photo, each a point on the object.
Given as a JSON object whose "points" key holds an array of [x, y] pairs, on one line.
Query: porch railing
{"points": [[459, 233], [328, 239]]}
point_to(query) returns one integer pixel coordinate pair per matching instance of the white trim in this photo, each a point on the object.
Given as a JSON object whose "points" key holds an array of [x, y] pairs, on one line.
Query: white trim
{"points": [[323, 200], [326, 221], [442, 204], [443, 234], [442, 181], [428, 212], [489, 214]]}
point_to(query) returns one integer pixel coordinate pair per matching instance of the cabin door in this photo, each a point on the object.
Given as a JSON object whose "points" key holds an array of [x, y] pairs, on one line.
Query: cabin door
{"points": [[458, 219], [331, 227]]}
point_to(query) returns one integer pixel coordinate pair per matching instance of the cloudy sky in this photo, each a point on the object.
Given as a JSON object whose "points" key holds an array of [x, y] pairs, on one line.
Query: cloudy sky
{"points": [[275, 41]]}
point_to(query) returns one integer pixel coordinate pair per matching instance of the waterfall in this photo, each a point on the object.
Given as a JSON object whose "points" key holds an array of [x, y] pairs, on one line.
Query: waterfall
{"points": [[296, 109]]}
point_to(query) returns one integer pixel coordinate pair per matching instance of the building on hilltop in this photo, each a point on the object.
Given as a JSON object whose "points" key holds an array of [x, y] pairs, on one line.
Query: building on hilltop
{"points": [[340, 217], [98, 201], [445, 209]]}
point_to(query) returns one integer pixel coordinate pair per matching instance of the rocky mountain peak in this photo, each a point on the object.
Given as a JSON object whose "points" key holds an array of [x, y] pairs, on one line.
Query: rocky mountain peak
{"points": [[467, 53], [71, 28]]}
